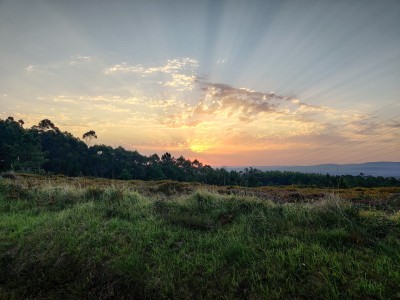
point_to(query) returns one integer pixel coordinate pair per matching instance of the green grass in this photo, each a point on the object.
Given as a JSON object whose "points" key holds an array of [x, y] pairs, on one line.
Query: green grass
{"points": [[61, 241]]}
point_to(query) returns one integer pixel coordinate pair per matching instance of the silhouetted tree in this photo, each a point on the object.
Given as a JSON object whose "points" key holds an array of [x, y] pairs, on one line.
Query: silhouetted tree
{"points": [[45, 147], [89, 136], [46, 125], [19, 148]]}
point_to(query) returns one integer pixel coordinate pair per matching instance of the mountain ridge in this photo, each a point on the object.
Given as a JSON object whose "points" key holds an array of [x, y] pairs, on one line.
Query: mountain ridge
{"points": [[382, 168]]}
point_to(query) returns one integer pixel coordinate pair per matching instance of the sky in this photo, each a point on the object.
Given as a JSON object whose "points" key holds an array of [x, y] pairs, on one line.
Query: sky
{"points": [[231, 83]]}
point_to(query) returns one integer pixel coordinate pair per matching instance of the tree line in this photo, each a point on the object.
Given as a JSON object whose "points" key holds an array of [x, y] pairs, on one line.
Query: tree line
{"points": [[44, 148]]}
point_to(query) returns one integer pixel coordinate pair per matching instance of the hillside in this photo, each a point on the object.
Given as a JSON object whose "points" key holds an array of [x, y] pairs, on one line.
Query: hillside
{"points": [[385, 169], [45, 149], [78, 238]]}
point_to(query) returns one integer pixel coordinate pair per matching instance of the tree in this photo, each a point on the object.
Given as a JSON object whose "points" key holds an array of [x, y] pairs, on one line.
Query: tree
{"points": [[30, 156], [11, 133], [46, 125], [45, 147], [20, 149], [89, 136]]}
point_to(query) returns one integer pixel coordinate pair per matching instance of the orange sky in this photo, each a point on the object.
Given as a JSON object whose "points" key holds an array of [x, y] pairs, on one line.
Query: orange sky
{"points": [[228, 82]]}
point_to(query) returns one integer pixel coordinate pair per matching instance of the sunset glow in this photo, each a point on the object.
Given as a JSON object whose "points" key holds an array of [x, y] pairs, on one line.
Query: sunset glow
{"points": [[226, 82]]}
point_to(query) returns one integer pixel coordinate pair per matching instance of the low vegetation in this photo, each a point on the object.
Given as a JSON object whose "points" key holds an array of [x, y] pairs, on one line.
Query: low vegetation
{"points": [[95, 238]]}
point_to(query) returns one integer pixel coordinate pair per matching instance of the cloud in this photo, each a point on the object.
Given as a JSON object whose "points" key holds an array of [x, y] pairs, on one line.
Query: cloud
{"points": [[141, 102], [162, 103], [182, 82], [371, 126], [62, 98], [241, 102], [30, 68], [230, 120], [145, 105], [180, 70], [80, 59], [173, 66], [124, 68], [182, 111], [111, 108], [178, 64], [395, 124], [111, 99], [223, 100], [308, 108], [73, 61]]}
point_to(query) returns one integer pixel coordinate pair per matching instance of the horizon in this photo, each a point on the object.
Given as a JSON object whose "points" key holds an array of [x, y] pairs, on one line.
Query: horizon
{"points": [[361, 163], [230, 83]]}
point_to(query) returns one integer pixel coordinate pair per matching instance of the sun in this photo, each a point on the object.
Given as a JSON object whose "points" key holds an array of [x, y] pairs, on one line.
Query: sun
{"points": [[200, 146]]}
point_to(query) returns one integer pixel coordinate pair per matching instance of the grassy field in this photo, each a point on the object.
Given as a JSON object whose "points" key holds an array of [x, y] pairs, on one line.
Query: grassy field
{"points": [[69, 238]]}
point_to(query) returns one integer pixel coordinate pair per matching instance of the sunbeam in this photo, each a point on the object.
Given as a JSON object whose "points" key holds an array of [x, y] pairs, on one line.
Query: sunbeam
{"points": [[227, 82]]}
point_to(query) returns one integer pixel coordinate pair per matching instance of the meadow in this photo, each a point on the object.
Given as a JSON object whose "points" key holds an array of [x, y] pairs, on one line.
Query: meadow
{"points": [[73, 238]]}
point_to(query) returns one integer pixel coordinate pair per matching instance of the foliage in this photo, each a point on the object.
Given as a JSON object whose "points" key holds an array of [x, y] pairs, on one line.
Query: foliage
{"points": [[89, 136], [45, 147], [20, 149]]}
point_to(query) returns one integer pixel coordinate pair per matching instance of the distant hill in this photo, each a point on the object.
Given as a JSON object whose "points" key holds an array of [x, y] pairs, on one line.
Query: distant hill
{"points": [[385, 169]]}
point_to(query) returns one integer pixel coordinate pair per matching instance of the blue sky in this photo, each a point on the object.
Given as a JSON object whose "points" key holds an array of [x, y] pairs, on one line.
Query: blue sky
{"points": [[228, 82]]}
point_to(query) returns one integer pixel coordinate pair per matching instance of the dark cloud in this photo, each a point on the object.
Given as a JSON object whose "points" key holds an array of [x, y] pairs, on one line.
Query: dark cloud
{"points": [[245, 105], [217, 98]]}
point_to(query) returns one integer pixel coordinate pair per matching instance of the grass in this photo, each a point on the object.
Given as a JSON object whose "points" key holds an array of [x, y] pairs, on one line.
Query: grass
{"points": [[69, 239]]}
